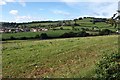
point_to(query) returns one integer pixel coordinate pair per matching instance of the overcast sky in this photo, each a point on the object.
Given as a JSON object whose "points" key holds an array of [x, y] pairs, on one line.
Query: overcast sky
{"points": [[38, 10]]}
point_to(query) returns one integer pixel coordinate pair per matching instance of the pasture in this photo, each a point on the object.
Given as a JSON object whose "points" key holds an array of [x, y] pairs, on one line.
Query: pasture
{"points": [[31, 35], [58, 58]]}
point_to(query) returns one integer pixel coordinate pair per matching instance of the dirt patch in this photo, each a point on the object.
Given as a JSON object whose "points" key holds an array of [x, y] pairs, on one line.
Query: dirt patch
{"points": [[39, 72]]}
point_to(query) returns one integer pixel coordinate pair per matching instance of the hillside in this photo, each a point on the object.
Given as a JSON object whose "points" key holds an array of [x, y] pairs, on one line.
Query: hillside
{"points": [[68, 57], [55, 29]]}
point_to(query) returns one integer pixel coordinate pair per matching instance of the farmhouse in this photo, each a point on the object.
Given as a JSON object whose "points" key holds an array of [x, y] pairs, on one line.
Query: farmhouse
{"points": [[35, 29], [44, 29], [1, 30], [38, 29], [4, 30]]}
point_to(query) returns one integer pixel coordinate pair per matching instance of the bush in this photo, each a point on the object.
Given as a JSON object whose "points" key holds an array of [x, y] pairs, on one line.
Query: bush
{"points": [[43, 36], [82, 34], [61, 28], [70, 34], [109, 67], [12, 38], [37, 36], [23, 38], [80, 18], [76, 24], [105, 32]]}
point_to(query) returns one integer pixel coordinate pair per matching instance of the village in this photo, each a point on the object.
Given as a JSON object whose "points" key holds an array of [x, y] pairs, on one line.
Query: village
{"points": [[16, 30]]}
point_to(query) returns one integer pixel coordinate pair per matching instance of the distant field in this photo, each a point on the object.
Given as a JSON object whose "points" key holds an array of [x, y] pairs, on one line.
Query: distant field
{"points": [[68, 57], [84, 23], [50, 33]]}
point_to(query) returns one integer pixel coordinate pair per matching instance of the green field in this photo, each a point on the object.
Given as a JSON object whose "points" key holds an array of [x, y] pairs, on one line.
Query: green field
{"points": [[84, 23], [50, 33], [67, 58]]}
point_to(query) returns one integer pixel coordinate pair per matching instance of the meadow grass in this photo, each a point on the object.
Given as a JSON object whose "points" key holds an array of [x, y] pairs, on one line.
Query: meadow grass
{"points": [[57, 58]]}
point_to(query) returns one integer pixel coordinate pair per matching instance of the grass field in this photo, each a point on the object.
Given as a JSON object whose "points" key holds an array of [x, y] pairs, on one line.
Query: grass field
{"points": [[70, 57], [50, 33], [85, 23]]}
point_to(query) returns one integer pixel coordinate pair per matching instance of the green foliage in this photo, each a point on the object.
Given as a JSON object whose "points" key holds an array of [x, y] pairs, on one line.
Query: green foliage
{"points": [[61, 28], [70, 34], [105, 32], [109, 67], [37, 36], [43, 36], [12, 38], [82, 34], [73, 34], [32, 35]]}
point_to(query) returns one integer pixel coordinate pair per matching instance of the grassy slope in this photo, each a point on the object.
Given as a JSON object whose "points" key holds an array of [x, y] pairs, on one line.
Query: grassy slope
{"points": [[73, 57]]}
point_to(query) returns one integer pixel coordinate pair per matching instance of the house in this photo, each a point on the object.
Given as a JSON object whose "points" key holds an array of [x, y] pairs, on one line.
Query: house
{"points": [[6, 30], [38, 29], [33, 30], [118, 31], [1, 30], [44, 29]]}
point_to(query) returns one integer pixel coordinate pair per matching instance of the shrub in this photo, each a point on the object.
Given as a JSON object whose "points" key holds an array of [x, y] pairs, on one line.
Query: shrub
{"points": [[80, 18], [82, 34], [109, 67], [70, 34], [12, 38], [61, 28], [43, 36], [105, 32], [23, 38], [76, 24], [37, 36]]}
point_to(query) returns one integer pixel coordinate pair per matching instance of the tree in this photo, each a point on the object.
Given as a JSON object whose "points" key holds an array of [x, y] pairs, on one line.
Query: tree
{"points": [[75, 20], [73, 27], [43, 36], [69, 23], [61, 28], [37, 36], [114, 20], [105, 32], [80, 18]]}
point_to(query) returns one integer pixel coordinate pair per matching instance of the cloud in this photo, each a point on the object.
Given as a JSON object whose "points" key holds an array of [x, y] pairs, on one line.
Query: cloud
{"points": [[22, 2], [10, 0], [95, 9], [105, 9], [119, 8], [22, 18], [61, 12], [67, 1], [14, 12], [28, 18], [2, 3]]}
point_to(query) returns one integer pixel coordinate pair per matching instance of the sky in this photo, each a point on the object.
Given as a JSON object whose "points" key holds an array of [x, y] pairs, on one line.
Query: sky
{"points": [[43, 10]]}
